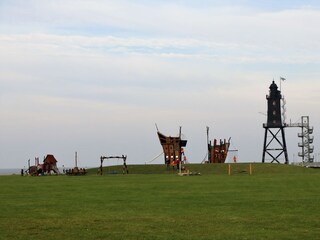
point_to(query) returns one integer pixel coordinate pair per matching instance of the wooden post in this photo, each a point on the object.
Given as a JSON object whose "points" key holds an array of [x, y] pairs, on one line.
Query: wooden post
{"points": [[229, 169], [101, 161], [250, 169]]}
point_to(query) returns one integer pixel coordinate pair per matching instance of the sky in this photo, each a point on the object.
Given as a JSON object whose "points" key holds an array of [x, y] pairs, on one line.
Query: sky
{"points": [[93, 77]]}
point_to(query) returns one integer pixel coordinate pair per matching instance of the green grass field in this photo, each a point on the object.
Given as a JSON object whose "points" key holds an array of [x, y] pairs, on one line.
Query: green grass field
{"points": [[276, 202]]}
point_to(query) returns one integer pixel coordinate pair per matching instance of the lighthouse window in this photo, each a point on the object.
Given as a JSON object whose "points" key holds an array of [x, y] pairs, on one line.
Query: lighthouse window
{"points": [[274, 113], [274, 103]]}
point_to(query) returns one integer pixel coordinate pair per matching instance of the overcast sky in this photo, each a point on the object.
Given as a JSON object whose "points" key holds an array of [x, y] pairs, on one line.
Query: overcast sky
{"points": [[95, 76]]}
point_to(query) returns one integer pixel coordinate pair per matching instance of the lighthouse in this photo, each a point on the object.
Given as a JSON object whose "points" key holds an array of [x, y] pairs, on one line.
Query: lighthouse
{"points": [[274, 137]]}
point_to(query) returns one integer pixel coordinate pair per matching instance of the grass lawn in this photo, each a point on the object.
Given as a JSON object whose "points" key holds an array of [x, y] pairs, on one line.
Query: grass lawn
{"points": [[276, 202]]}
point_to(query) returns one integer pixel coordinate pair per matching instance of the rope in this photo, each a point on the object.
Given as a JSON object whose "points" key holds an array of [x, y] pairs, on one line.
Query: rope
{"points": [[232, 144], [155, 158], [204, 159]]}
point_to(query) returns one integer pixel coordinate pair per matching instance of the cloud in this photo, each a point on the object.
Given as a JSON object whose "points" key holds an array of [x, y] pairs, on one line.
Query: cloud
{"points": [[240, 33], [226, 23]]}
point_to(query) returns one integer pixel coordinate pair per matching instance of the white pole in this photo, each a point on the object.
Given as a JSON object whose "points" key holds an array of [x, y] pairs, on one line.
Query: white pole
{"points": [[76, 159], [280, 83]]}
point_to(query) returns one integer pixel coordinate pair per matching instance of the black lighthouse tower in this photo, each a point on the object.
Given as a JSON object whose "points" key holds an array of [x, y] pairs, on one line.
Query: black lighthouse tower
{"points": [[274, 145]]}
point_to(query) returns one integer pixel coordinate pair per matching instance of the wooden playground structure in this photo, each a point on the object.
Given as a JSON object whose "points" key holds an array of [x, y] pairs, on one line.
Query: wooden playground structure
{"points": [[48, 166]]}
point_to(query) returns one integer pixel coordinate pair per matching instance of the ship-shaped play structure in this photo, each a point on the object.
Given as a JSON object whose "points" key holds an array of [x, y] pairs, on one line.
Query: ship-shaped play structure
{"points": [[218, 151], [172, 148]]}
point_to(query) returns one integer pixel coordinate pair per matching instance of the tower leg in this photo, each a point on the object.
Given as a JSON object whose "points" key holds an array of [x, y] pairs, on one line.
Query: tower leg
{"points": [[264, 145], [284, 146]]}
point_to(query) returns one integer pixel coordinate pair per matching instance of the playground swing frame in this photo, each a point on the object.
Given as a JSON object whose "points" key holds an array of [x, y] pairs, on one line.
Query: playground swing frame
{"points": [[123, 157]]}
